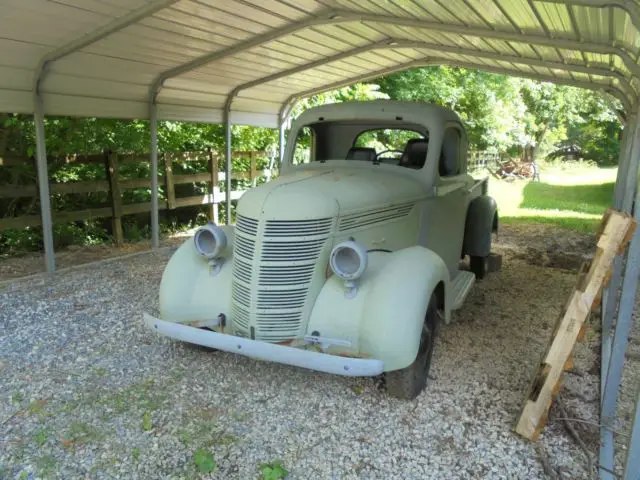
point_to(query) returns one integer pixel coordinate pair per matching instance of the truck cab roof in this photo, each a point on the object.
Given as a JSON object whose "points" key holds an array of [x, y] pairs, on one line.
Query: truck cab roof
{"points": [[380, 111]]}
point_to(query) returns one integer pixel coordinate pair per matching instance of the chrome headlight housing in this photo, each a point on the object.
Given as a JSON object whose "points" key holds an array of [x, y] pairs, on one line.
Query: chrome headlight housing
{"points": [[348, 260], [210, 241]]}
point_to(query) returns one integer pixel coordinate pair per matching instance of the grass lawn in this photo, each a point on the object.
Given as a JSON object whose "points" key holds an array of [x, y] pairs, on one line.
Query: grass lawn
{"points": [[573, 198]]}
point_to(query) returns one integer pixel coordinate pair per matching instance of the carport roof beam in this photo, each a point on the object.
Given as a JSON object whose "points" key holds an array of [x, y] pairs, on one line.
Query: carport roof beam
{"points": [[632, 8], [430, 61], [113, 26], [286, 105], [325, 17], [503, 35], [307, 66], [399, 43], [331, 16]]}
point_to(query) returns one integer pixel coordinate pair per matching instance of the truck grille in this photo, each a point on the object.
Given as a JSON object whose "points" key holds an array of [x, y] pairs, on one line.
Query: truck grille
{"points": [[273, 266], [373, 217]]}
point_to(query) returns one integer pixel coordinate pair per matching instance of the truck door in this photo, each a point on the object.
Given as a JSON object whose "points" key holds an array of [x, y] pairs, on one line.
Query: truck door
{"points": [[447, 211]]}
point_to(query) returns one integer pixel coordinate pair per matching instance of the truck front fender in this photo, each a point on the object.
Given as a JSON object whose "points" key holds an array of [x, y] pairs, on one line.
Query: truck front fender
{"points": [[385, 317], [190, 291], [482, 220]]}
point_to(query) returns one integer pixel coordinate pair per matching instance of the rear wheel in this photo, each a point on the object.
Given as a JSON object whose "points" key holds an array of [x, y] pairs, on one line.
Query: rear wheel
{"points": [[479, 266], [407, 383]]}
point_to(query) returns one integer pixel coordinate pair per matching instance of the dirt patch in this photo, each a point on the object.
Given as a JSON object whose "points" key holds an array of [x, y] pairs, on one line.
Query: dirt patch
{"points": [[545, 245]]}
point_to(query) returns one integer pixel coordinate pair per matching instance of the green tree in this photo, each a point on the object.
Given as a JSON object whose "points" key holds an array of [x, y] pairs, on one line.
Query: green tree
{"points": [[474, 95]]}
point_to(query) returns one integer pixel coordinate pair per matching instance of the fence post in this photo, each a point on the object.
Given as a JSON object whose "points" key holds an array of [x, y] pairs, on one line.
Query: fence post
{"points": [[168, 178], [111, 164], [254, 169], [213, 168]]}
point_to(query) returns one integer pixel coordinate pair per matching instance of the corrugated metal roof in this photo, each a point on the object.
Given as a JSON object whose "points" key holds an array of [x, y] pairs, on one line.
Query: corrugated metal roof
{"points": [[196, 56]]}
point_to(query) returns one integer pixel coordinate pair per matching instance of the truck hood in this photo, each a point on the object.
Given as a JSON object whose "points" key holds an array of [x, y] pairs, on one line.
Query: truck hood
{"points": [[328, 192]]}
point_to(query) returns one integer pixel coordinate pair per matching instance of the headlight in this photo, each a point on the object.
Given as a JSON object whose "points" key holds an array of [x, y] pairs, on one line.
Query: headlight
{"points": [[210, 241], [348, 260]]}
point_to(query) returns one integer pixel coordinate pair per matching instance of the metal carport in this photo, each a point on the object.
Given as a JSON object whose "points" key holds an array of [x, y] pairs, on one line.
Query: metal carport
{"points": [[248, 61]]}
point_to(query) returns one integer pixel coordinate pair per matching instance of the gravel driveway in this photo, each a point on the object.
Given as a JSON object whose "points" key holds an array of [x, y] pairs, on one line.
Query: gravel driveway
{"points": [[87, 392]]}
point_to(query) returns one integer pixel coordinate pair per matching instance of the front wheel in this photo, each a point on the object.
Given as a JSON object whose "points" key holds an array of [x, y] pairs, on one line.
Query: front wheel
{"points": [[407, 383]]}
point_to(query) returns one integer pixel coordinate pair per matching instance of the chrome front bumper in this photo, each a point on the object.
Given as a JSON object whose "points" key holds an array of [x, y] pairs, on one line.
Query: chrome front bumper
{"points": [[322, 362]]}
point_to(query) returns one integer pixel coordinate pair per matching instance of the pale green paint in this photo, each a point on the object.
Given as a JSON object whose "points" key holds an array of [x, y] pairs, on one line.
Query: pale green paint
{"points": [[188, 292], [385, 318]]}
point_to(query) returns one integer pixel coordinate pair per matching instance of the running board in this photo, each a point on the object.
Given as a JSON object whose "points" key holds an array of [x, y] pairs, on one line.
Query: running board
{"points": [[460, 287]]}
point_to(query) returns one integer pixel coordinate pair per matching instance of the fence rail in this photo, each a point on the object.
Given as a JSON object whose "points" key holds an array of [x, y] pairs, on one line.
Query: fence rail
{"points": [[114, 186], [478, 160]]}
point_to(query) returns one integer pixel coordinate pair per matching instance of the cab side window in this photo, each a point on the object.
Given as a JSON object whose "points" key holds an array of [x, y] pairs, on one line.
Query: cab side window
{"points": [[449, 164], [305, 150]]}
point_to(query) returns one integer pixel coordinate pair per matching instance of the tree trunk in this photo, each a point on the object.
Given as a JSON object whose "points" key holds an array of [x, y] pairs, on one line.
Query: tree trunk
{"points": [[539, 137], [4, 133]]}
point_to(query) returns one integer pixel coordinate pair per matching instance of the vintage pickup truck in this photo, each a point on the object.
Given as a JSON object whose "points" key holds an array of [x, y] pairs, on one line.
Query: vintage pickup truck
{"points": [[349, 260]]}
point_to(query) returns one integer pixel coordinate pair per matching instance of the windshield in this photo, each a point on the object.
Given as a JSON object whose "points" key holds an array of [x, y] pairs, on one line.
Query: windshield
{"points": [[385, 139], [352, 141]]}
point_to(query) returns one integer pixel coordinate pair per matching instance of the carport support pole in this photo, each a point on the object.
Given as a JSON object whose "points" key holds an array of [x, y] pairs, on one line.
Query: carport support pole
{"points": [[632, 464], [155, 230], [281, 138], [228, 166], [624, 320], [43, 182], [610, 295]]}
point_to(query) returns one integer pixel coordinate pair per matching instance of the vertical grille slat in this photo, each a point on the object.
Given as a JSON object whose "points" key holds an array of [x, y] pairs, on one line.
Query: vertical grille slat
{"points": [[282, 254]]}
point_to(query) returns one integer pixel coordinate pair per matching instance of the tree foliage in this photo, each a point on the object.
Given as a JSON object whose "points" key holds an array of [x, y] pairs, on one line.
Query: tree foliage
{"points": [[83, 136], [503, 114], [518, 116]]}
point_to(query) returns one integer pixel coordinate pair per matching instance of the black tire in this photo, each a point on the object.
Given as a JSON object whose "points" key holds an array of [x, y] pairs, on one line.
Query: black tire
{"points": [[407, 383], [479, 266]]}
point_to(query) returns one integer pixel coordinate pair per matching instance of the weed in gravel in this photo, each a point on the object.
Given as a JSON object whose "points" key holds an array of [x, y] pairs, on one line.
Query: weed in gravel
{"points": [[210, 413], [37, 407], [101, 372], [41, 437], [104, 466], [185, 436], [80, 433], [358, 389], [204, 428], [225, 440], [147, 424], [46, 465], [135, 454], [204, 461], [144, 395], [17, 398], [240, 416], [273, 470]]}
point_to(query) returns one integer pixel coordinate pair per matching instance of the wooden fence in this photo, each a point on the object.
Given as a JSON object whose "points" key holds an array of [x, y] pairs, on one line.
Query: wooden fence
{"points": [[114, 186], [479, 160]]}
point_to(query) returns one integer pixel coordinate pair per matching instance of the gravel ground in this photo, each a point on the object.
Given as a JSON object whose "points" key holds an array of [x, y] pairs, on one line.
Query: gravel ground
{"points": [[87, 392]]}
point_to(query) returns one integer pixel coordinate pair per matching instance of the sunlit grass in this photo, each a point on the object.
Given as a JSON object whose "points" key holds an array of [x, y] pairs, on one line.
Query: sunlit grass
{"points": [[569, 198], [577, 224]]}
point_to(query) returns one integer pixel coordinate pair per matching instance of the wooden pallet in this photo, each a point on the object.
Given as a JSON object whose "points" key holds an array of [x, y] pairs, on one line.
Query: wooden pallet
{"points": [[613, 237]]}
